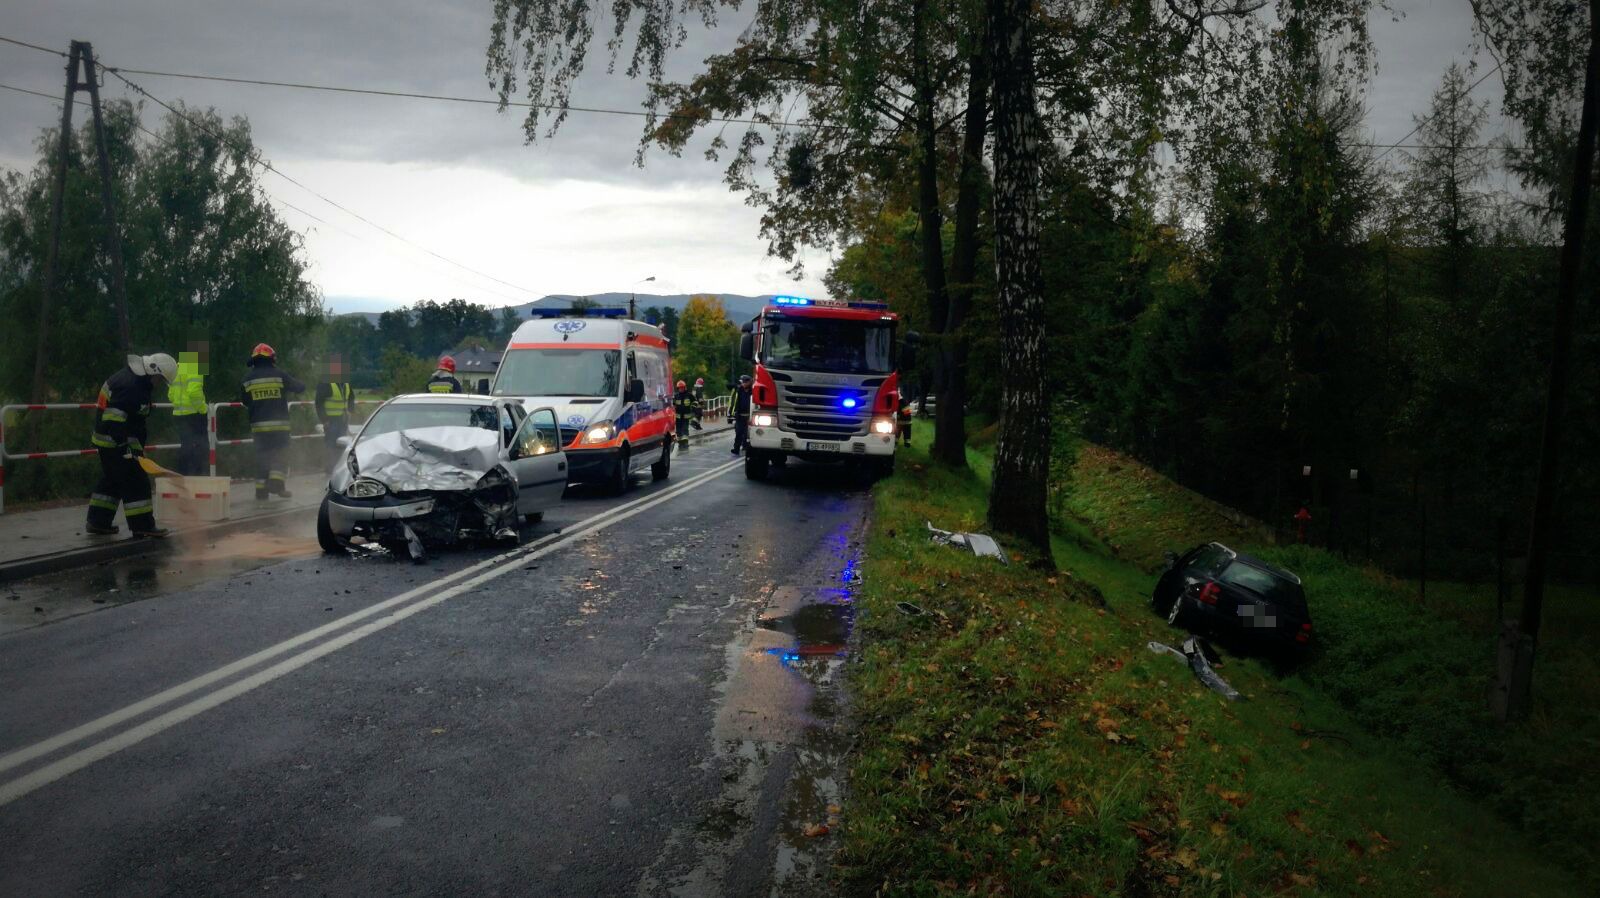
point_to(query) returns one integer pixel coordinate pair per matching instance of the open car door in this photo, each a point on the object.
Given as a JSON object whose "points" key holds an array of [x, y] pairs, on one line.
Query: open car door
{"points": [[538, 462]]}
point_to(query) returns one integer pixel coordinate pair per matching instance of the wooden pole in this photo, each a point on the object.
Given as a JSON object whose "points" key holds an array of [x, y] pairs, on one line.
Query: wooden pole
{"points": [[113, 234], [58, 190]]}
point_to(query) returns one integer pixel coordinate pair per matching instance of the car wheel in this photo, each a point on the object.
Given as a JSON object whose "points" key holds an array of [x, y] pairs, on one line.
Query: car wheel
{"points": [[661, 468], [325, 537], [755, 466], [1175, 613], [620, 476]]}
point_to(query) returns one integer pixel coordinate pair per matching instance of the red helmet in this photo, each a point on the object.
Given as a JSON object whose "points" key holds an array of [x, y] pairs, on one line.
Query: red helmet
{"points": [[447, 363], [682, 385], [263, 351], [699, 381]]}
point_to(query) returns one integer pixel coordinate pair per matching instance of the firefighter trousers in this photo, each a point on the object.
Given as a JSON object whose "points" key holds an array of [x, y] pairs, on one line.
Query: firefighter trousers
{"points": [[122, 482], [272, 463], [194, 446]]}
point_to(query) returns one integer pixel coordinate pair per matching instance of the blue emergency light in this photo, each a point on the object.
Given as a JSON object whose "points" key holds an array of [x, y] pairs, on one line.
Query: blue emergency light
{"points": [[848, 402], [791, 301], [537, 312]]}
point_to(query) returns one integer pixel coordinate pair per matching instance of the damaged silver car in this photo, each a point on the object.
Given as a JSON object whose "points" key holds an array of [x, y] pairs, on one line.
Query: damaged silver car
{"points": [[437, 469]]}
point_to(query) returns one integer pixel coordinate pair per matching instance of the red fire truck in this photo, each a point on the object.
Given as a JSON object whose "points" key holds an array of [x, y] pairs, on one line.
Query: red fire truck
{"points": [[826, 383]]}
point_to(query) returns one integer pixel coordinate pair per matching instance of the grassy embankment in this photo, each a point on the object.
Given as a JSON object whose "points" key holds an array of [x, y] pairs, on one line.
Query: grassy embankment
{"points": [[1019, 738]]}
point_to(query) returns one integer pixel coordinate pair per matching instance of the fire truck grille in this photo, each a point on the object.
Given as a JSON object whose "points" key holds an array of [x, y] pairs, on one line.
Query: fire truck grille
{"points": [[819, 412]]}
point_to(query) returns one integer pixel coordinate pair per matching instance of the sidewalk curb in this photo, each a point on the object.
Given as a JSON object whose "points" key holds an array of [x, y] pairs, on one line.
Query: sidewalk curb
{"points": [[128, 547]]}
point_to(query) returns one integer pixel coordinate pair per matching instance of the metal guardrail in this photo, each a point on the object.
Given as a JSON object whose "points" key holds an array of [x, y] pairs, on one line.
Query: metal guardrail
{"points": [[211, 433]]}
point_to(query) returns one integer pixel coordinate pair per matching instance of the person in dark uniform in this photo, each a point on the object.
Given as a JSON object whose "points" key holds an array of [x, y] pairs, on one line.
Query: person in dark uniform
{"points": [[699, 402], [333, 401], [683, 408], [119, 434], [444, 377], [741, 414], [266, 392], [903, 416]]}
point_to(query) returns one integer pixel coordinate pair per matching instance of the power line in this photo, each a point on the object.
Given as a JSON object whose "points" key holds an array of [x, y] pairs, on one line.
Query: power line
{"points": [[257, 158], [1425, 119], [12, 40]]}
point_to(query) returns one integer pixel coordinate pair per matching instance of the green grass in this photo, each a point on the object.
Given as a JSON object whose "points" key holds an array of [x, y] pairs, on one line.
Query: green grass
{"points": [[1417, 674], [1020, 739]]}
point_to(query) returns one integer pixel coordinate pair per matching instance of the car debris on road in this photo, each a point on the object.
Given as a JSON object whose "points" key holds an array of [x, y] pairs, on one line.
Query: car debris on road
{"points": [[1194, 653], [978, 543]]}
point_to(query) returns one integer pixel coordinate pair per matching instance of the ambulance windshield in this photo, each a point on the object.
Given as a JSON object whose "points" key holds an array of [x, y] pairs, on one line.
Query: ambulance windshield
{"points": [[558, 372]]}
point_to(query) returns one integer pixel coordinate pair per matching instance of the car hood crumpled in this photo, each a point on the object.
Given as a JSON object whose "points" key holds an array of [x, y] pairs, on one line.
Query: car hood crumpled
{"points": [[429, 458]]}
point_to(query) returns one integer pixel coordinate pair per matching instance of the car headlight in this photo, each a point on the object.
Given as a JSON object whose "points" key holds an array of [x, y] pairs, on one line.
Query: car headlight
{"points": [[882, 425], [764, 419], [603, 432], [365, 488]]}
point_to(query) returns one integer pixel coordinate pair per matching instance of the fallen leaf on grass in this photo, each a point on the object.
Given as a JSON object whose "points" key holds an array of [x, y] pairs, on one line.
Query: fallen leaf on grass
{"points": [[1237, 799], [813, 830], [1301, 879], [1294, 820]]}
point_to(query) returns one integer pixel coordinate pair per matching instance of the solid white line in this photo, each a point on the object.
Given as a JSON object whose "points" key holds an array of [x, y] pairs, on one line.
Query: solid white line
{"points": [[507, 562]]}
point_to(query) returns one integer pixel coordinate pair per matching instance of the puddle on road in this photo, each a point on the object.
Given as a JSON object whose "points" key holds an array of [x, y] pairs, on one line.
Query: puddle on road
{"points": [[776, 740], [191, 562]]}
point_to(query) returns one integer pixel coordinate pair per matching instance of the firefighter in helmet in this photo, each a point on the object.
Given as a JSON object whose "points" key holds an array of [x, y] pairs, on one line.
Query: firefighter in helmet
{"points": [[444, 377], [699, 402], [119, 435], [741, 414], [266, 390], [684, 408]]}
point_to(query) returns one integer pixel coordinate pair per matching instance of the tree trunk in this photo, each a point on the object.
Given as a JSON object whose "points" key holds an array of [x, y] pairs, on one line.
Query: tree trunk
{"points": [[1022, 458], [1520, 675], [929, 214], [950, 431]]}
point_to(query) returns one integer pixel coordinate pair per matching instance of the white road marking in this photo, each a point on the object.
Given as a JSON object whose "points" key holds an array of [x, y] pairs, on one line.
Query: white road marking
{"points": [[496, 567]]}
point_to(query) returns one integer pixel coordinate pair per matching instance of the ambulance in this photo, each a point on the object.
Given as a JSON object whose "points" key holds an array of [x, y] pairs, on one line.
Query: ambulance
{"points": [[609, 380]]}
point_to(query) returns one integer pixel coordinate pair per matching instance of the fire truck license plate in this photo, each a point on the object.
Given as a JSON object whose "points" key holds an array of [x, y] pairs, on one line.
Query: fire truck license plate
{"points": [[822, 447]]}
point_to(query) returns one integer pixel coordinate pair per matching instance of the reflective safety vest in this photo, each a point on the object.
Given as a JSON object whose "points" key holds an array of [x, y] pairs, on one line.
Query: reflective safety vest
{"points": [[443, 382], [187, 394], [334, 405]]}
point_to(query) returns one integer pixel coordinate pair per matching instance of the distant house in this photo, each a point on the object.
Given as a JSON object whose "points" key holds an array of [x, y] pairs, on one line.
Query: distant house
{"points": [[477, 362]]}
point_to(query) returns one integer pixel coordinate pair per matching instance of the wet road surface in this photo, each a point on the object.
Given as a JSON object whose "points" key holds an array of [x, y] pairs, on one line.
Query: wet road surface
{"points": [[641, 699]]}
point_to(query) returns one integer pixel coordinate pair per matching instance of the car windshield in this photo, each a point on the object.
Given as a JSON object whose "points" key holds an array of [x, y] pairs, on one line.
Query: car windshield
{"points": [[826, 344], [412, 415], [558, 372], [1264, 583]]}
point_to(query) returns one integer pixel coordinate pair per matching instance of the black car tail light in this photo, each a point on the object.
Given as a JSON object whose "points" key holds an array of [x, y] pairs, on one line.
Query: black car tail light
{"points": [[1305, 633], [1209, 593]]}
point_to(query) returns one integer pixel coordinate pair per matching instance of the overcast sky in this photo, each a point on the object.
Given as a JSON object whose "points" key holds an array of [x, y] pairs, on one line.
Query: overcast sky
{"points": [[570, 214]]}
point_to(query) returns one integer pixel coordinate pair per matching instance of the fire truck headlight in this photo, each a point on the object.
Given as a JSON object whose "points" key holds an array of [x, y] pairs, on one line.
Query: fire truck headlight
{"points": [[764, 419], [882, 425]]}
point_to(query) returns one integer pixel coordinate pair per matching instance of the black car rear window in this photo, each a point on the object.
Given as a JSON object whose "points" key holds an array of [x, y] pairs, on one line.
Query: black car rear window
{"points": [[1266, 584]]}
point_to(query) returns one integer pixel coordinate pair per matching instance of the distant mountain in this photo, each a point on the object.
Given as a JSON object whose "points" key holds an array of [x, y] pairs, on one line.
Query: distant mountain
{"points": [[740, 308]]}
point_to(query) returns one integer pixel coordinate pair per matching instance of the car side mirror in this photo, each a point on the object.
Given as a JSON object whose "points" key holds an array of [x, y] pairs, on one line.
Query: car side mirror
{"points": [[344, 441], [635, 391], [747, 346]]}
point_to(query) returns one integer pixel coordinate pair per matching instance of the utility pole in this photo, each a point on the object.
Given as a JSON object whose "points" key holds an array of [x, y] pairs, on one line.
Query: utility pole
{"points": [[80, 56], [633, 298]]}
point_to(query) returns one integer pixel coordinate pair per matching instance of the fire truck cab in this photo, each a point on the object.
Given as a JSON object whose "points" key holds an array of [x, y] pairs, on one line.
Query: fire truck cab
{"points": [[826, 383]]}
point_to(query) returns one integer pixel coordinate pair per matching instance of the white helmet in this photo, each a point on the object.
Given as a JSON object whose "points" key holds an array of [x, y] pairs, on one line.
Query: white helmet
{"points": [[159, 364]]}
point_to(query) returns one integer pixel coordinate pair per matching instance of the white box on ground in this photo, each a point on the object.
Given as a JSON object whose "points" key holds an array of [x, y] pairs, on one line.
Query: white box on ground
{"points": [[195, 498]]}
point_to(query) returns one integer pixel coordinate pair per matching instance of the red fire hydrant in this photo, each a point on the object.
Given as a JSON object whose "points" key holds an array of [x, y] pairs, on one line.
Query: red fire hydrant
{"points": [[1301, 518]]}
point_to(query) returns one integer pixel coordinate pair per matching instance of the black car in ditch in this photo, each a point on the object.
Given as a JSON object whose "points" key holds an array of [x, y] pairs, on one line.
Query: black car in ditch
{"points": [[1212, 589]]}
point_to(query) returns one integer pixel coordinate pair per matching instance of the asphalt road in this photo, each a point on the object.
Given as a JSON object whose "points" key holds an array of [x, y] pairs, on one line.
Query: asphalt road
{"points": [[641, 699]]}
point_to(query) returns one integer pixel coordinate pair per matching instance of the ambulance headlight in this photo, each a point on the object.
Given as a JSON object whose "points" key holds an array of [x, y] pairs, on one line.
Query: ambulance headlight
{"points": [[365, 488], [600, 433], [882, 425], [764, 419]]}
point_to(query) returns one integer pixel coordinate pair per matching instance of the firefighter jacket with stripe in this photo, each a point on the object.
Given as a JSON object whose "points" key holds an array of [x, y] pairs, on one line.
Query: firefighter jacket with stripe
{"points": [[123, 408], [443, 381], [684, 403], [188, 393], [333, 400], [266, 394]]}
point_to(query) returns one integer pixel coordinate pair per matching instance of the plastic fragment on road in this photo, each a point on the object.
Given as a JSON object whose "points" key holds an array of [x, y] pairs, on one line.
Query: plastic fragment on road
{"points": [[908, 608], [1194, 654], [977, 543]]}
